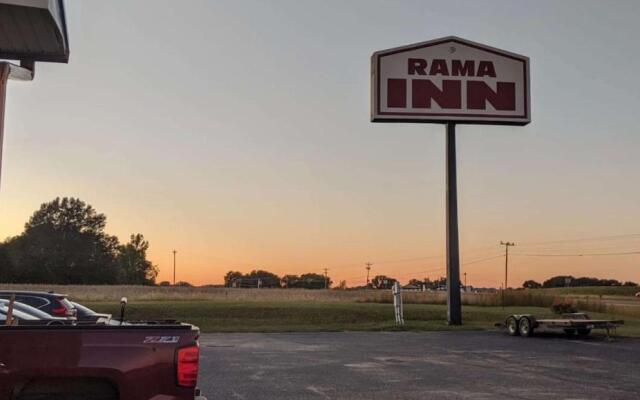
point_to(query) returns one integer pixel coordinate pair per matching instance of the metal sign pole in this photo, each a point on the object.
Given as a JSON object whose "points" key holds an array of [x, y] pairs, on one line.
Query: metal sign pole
{"points": [[454, 307], [24, 72], [4, 77]]}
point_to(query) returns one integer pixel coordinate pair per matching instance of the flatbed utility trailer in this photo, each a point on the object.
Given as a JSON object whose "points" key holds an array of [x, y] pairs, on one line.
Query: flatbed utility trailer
{"points": [[573, 324]]}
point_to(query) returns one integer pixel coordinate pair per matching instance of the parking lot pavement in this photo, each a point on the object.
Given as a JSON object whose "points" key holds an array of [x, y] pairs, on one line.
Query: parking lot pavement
{"points": [[416, 365]]}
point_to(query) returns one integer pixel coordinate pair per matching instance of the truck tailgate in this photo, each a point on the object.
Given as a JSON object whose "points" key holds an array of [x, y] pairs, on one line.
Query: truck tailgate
{"points": [[138, 361]]}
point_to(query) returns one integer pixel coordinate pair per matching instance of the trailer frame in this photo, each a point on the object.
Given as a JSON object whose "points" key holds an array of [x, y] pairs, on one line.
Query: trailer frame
{"points": [[572, 324]]}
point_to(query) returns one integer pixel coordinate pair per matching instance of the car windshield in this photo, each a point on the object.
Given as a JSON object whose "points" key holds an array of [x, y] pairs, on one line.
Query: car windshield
{"points": [[68, 305], [82, 309], [31, 310]]}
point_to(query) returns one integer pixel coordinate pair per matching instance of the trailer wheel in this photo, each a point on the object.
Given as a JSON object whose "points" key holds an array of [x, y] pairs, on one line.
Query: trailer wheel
{"points": [[524, 327], [584, 332], [512, 326]]}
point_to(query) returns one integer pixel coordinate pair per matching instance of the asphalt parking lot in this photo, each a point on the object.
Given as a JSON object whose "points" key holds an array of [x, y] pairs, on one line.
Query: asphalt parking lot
{"points": [[416, 365]]}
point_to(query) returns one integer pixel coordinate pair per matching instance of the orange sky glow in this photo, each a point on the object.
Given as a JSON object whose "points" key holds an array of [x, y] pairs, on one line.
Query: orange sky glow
{"points": [[241, 139]]}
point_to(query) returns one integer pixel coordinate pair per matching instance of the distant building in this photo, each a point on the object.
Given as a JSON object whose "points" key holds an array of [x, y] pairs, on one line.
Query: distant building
{"points": [[413, 288]]}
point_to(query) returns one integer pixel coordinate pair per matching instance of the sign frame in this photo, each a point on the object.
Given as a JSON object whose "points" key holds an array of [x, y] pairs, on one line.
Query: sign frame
{"points": [[443, 118]]}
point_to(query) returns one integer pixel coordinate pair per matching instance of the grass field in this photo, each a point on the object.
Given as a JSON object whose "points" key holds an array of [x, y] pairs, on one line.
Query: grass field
{"points": [[286, 316], [268, 310]]}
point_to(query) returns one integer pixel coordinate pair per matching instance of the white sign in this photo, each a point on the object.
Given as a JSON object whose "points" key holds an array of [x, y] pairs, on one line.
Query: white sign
{"points": [[450, 80]]}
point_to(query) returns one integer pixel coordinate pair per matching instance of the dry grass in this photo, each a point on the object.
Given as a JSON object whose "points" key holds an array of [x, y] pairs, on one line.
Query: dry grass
{"points": [[93, 293], [151, 293], [512, 298]]}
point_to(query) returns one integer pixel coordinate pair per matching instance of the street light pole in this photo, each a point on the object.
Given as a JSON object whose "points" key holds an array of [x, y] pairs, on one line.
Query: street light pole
{"points": [[326, 278], [174, 267]]}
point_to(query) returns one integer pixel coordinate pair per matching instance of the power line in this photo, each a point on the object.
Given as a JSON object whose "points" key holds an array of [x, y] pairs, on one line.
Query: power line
{"points": [[612, 237], [442, 269], [577, 255], [483, 259], [408, 260], [580, 248]]}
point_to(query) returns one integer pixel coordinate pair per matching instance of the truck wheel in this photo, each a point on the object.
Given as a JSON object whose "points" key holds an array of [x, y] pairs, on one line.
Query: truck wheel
{"points": [[525, 327], [584, 332], [512, 326], [570, 332]]}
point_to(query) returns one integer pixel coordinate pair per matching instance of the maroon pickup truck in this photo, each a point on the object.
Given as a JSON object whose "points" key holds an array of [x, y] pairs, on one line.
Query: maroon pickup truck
{"points": [[145, 361]]}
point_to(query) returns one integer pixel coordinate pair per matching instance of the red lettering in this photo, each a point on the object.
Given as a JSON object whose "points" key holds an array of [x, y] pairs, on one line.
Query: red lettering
{"points": [[459, 69], [424, 91], [439, 67], [397, 93], [417, 66], [485, 68], [503, 99]]}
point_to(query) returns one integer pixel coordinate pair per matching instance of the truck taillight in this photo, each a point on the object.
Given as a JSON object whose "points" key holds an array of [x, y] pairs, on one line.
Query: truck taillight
{"points": [[187, 368]]}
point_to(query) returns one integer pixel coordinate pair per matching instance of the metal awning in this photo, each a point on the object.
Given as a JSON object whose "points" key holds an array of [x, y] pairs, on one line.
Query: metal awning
{"points": [[33, 30]]}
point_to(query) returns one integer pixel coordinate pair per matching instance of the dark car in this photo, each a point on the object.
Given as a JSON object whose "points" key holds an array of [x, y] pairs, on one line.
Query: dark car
{"points": [[54, 304], [85, 314], [34, 312]]}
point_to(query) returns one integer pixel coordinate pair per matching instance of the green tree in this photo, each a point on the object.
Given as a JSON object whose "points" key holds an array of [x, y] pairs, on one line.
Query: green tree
{"points": [[382, 282], [266, 278], [231, 277], [416, 282], [134, 267], [64, 242], [531, 284], [291, 281], [315, 281], [7, 273]]}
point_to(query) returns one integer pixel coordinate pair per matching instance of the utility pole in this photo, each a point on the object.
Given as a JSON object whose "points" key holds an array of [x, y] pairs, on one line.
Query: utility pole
{"points": [[174, 267], [506, 262], [465, 281], [326, 278], [368, 269]]}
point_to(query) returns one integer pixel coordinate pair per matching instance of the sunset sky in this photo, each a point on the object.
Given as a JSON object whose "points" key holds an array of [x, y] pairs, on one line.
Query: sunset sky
{"points": [[238, 133]]}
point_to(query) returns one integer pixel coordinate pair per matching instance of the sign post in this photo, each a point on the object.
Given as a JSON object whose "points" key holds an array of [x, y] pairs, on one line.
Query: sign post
{"points": [[454, 305], [4, 77], [450, 81], [9, 71]]}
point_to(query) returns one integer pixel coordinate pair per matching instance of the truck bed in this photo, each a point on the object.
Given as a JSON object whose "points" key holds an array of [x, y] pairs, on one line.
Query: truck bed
{"points": [[132, 362]]}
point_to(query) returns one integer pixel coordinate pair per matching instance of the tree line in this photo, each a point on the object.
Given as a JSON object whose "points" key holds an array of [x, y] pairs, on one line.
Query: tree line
{"points": [[259, 278], [568, 280], [64, 242]]}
